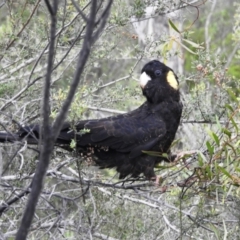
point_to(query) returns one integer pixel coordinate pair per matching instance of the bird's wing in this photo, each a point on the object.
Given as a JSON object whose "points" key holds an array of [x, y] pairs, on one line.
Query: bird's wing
{"points": [[130, 134]]}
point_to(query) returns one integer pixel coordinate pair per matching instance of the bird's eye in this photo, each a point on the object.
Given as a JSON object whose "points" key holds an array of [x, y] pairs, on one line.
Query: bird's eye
{"points": [[158, 73]]}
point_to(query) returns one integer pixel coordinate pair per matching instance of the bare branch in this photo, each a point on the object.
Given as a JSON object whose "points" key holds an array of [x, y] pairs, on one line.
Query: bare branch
{"points": [[51, 134], [51, 11], [7, 204], [103, 236], [2, 4], [48, 144], [232, 54], [207, 38], [80, 11]]}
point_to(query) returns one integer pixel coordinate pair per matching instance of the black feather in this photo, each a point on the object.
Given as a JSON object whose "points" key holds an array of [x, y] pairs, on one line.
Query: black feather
{"points": [[119, 141]]}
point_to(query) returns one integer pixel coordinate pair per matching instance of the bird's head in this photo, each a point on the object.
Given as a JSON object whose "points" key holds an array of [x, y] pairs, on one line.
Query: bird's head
{"points": [[159, 82]]}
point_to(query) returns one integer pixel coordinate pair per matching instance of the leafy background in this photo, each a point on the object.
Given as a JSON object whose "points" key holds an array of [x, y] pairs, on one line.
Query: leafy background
{"points": [[198, 197]]}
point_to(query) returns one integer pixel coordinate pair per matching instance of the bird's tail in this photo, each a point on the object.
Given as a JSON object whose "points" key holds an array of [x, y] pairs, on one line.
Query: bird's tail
{"points": [[24, 134], [9, 137], [31, 134]]}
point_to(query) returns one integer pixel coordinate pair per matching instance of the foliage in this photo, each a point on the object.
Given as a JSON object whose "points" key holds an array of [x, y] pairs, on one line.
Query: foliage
{"points": [[197, 197], [219, 35]]}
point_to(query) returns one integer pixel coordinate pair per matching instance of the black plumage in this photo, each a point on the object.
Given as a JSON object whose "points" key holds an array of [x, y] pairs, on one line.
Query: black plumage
{"points": [[118, 141]]}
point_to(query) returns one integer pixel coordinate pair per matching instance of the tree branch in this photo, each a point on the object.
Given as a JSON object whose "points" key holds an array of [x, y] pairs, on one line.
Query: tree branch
{"points": [[50, 134], [37, 182]]}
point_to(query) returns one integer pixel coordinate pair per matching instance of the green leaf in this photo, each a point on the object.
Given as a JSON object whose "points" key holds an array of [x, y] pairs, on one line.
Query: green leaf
{"points": [[159, 166], [209, 172], [223, 170], [195, 45], [201, 158], [218, 123], [173, 26], [214, 136], [175, 142], [156, 154], [232, 95], [234, 124], [188, 49], [215, 230], [227, 132], [216, 139], [229, 107], [232, 147], [210, 148], [73, 144], [165, 49]]}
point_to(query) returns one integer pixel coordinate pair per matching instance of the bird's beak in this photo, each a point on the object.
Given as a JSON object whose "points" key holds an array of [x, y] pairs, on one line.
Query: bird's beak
{"points": [[144, 78]]}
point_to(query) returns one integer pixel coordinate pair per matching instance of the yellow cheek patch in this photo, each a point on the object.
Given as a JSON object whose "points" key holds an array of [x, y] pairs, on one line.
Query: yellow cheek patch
{"points": [[172, 80]]}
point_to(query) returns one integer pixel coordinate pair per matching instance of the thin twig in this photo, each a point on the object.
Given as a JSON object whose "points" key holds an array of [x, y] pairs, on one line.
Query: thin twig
{"points": [[80, 11]]}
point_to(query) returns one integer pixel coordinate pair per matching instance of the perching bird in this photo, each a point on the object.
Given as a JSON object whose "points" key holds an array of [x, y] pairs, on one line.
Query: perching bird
{"points": [[119, 141]]}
